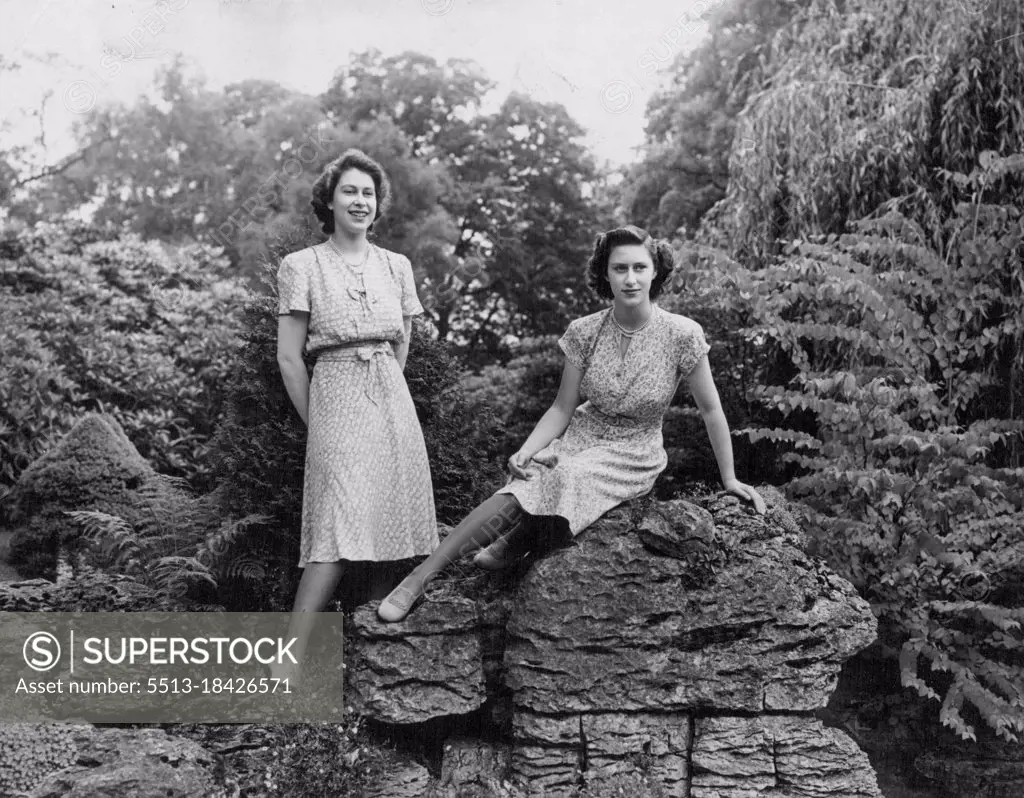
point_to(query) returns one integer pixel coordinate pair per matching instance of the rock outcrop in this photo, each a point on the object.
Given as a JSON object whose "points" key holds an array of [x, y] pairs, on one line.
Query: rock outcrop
{"points": [[400, 780], [142, 763], [777, 755], [607, 623], [673, 649], [688, 644]]}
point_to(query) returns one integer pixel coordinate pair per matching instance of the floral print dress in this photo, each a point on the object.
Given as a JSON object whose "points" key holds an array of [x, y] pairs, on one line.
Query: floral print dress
{"points": [[613, 450], [367, 493]]}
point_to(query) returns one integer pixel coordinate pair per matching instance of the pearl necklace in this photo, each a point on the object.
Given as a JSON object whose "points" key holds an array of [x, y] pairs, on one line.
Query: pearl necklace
{"points": [[355, 267], [630, 333]]}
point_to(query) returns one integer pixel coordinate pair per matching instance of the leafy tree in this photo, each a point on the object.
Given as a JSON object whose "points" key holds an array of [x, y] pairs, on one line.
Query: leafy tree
{"points": [[180, 167], [517, 221], [530, 226], [691, 123], [492, 209], [865, 106], [431, 103], [24, 161], [235, 169]]}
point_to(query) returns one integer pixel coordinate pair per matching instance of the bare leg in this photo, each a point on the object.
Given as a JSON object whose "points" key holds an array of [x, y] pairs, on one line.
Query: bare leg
{"points": [[495, 517], [316, 588]]}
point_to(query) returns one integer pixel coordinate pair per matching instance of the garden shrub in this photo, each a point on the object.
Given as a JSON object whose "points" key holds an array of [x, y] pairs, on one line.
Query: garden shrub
{"points": [[518, 392], [108, 323], [93, 500]]}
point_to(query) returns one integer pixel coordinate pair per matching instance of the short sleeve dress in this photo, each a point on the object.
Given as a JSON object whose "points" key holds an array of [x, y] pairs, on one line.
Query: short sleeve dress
{"points": [[613, 450], [367, 492]]}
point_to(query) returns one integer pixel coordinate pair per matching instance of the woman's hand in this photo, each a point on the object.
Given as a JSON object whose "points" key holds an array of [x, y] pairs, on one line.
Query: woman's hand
{"points": [[517, 464], [520, 461], [737, 488], [546, 457]]}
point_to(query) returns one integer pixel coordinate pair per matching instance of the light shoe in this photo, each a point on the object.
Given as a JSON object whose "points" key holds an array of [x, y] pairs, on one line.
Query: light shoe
{"points": [[397, 604]]}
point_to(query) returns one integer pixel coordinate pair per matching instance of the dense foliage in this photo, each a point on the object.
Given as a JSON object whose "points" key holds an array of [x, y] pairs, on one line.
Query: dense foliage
{"points": [[875, 236], [870, 104], [100, 322], [692, 120], [888, 353]]}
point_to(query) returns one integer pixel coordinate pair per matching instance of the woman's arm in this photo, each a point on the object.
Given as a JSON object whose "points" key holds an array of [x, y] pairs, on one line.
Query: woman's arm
{"points": [[402, 347], [552, 423], [291, 337], [705, 394]]}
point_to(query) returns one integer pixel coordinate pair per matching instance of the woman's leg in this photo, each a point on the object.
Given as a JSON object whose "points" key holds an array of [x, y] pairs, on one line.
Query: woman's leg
{"points": [[316, 588], [495, 517], [540, 536], [511, 546]]}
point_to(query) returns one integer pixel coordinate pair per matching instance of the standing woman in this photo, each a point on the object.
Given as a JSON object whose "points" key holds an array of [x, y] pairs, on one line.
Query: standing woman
{"points": [[367, 492], [581, 460]]}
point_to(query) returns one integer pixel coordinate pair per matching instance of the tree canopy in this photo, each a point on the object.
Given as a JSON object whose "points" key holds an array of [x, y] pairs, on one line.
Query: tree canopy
{"points": [[495, 210]]}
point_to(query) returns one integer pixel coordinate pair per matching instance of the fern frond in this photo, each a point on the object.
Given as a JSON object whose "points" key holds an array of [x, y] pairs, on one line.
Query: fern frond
{"points": [[172, 571], [250, 569], [117, 542], [213, 550]]}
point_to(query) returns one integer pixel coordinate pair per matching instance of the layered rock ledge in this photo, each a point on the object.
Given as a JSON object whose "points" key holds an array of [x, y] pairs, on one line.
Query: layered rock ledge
{"points": [[428, 667], [688, 644]]}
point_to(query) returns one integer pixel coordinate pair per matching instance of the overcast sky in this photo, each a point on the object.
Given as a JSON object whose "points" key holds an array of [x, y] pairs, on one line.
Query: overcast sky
{"points": [[600, 58]]}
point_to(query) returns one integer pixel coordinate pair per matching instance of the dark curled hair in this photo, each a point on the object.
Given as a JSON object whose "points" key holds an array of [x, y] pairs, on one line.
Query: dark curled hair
{"points": [[323, 188], [597, 267]]}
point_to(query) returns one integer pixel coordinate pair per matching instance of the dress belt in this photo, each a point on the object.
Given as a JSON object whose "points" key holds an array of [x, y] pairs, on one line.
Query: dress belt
{"points": [[621, 422], [372, 353]]}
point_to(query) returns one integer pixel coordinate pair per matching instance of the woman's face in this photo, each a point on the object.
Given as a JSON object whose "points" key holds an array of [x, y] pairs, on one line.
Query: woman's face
{"points": [[630, 273], [355, 202]]}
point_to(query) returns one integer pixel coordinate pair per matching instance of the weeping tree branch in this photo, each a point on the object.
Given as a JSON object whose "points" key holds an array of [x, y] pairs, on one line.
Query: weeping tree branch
{"points": [[50, 171], [66, 164]]}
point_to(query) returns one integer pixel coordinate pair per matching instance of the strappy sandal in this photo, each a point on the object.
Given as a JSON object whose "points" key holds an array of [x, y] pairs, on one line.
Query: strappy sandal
{"points": [[397, 604]]}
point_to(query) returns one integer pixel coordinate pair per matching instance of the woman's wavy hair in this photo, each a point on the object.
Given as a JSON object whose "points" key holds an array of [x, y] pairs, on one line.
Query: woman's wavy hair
{"points": [[323, 188], [659, 250]]}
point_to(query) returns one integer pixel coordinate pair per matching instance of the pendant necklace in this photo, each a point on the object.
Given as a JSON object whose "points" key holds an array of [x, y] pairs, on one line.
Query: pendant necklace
{"points": [[357, 268]]}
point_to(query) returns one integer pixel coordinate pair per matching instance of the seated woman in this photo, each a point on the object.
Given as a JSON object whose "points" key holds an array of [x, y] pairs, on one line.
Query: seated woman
{"points": [[581, 460]]}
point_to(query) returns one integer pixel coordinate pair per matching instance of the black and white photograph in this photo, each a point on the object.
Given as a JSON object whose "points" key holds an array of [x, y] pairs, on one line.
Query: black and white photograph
{"points": [[512, 399]]}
